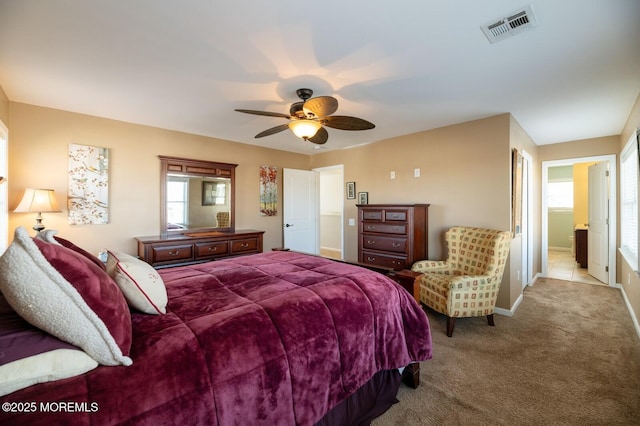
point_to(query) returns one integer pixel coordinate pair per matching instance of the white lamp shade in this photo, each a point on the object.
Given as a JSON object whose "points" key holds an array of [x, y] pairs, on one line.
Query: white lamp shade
{"points": [[304, 129], [38, 200]]}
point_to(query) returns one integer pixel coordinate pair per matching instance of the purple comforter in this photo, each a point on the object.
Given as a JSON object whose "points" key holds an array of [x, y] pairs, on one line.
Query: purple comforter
{"points": [[277, 338]]}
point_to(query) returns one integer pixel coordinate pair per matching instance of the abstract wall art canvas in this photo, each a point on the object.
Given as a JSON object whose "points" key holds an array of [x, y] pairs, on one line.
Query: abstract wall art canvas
{"points": [[268, 191], [88, 198]]}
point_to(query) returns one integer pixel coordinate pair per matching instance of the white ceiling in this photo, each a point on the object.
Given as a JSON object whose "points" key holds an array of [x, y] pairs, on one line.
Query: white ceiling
{"points": [[406, 65]]}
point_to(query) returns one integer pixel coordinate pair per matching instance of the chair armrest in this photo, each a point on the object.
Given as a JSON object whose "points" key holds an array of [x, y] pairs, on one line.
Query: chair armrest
{"points": [[460, 281], [441, 266]]}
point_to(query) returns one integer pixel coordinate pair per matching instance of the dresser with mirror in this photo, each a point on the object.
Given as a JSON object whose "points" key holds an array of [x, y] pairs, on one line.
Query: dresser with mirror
{"points": [[197, 216]]}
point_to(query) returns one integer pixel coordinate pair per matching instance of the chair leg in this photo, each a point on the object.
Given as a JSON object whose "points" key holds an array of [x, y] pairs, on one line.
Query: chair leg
{"points": [[490, 320], [451, 322]]}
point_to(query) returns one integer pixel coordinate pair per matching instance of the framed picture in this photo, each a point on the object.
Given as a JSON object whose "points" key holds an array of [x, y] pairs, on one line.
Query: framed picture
{"points": [[363, 198], [208, 193], [351, 190], [516, 209]]}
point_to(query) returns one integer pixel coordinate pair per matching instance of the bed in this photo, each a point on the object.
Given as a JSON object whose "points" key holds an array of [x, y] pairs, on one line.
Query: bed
{"points": [[277, 338]]}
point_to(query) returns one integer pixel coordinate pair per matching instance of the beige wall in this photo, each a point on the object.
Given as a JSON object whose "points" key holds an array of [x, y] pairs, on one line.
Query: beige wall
{"points": [[609, 145], [38, 147], [4, 107], [581, 193], [460, 166]]}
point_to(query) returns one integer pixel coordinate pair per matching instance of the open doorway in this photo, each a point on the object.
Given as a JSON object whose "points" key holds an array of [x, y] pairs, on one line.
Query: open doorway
{"points": [[331, 196], [561, 219]]}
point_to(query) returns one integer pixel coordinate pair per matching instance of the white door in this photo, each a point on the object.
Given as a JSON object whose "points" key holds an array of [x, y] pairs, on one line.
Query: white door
{"points": [[300, 214], [598, 231]]}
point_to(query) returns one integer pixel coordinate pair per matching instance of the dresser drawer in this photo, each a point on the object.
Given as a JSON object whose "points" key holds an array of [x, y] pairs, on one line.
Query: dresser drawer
{"points": [[377, 242], [242, 246], [172, 253], [211, 249], [372, 215], [389, 261], [384, 228], [400, 215]]}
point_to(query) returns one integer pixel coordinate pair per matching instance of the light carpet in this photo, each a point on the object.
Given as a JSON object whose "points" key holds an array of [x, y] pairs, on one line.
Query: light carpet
{"points": [[569, 356]]}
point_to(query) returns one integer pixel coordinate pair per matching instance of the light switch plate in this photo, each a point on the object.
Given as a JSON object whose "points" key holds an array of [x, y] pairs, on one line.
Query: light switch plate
{"points": [[352, 222], [393, 175], [416, 172]]}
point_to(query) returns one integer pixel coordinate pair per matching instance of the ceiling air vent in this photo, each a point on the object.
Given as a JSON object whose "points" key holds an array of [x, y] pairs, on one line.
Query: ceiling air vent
{"points": [[515, 23]]}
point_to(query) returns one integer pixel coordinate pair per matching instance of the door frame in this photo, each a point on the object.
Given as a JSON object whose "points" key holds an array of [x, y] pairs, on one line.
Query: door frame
{"points": [[340, 196], [613, 206], [527, 222]]}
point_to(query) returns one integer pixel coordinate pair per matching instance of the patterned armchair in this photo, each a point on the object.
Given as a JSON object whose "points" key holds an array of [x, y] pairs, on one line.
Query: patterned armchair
{"points": [[223, 219], [467, 283]]}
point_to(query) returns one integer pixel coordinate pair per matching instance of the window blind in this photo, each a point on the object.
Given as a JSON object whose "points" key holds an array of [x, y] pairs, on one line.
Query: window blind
{"points": [[629, 163]]}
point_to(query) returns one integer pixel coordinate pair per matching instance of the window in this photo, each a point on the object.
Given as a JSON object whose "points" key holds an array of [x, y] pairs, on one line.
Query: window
{"points": [[560, 194], [629, 202], [177, 198]]}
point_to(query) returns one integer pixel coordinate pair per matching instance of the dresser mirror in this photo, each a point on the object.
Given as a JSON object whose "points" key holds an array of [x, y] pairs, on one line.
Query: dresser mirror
{"points": [[196, 196]]}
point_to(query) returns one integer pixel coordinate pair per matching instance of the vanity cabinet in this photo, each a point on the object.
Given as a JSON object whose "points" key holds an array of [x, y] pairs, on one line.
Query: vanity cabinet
{"points": [[392, 235], [582, 247], [184, 249]]}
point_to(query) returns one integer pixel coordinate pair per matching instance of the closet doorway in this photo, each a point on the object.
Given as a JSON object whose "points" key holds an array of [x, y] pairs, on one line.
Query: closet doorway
{"points": [[331, 202]]}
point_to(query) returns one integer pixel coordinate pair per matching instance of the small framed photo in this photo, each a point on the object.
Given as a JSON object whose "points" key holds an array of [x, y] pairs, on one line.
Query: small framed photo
{"points": [[351, 190], [363, 198]]}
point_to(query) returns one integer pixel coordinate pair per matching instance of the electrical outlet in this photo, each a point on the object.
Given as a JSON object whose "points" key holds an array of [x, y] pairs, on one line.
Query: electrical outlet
{"points": [[393, 175]]}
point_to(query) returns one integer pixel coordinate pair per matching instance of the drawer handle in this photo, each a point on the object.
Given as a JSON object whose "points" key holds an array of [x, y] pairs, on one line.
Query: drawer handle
{"points": [[370, 227], [371, 259], [174, 253], [213, 248], [244, 245], [396, 245], [370, 242]]}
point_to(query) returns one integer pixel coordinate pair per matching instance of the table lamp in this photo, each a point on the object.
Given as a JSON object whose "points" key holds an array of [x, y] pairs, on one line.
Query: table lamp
{"points": [[39, 201]]}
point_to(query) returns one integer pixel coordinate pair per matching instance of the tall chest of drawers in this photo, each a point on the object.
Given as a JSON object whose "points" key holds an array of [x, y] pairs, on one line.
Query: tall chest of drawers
{"points": [[393, 235]]}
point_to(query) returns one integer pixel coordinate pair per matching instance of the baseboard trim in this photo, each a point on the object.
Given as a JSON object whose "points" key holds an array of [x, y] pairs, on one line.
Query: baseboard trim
{"points": [[560, 248], [514, 308], [634, 319]]}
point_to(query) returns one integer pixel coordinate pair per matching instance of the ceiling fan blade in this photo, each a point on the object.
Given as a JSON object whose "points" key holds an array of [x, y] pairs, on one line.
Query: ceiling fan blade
{"points": [[320, 137], [272, 130], [320, 106], [343, 122], [267, 113]]}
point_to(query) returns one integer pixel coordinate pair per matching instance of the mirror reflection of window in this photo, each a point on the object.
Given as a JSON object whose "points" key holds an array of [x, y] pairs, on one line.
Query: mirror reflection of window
{"points": [[221, 193], [177, 201]]}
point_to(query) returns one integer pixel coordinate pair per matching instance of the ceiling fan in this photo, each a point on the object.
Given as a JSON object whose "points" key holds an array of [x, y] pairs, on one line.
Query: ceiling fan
{"points": [[307, 118]]}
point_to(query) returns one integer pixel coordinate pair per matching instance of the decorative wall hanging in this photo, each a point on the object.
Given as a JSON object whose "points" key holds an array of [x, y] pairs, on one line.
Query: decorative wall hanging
{"points": [[268, 191], [516, 206], [351, 190], [363, 198], [88, 199]]}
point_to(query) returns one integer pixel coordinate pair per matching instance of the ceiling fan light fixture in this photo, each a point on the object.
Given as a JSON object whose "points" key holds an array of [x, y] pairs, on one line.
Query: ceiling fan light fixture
{"points": [[304, 129]]}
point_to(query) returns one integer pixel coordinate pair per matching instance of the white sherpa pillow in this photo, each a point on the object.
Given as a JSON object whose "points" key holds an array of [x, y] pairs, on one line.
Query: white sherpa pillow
{"points": [[140, 283], [45, 367], [43, 297]]}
